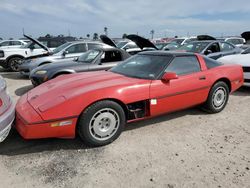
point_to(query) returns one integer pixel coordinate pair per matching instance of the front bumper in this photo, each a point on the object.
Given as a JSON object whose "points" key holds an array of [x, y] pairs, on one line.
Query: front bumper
{"points": [[30, 125], [6, 121], [38, 79]]}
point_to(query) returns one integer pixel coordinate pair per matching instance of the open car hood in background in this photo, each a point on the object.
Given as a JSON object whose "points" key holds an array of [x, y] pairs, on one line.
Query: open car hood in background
{"points": [[246, 35], [38, 43], [205, 37], [107, 40], [141, 42]]}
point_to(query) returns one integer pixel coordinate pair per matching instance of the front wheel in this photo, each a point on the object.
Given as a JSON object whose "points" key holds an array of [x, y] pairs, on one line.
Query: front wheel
{"points": [[14, 62], [101, 123], [217, 98]]}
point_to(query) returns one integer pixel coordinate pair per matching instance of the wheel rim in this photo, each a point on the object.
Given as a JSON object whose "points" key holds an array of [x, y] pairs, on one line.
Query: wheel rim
{"points": [[104, 124], [14, 63], [219, 97]]}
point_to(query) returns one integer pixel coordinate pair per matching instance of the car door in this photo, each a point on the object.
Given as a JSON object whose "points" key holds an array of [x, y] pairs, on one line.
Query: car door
{"points": [[189, 89], [75, 50], [107, 60], [214, 51]]}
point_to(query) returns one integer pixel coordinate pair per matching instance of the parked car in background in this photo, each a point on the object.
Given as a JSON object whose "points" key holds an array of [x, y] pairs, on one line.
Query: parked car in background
{"points": [[55, 41], [10, 58], [183, 40], [167, 46], [97, 105], [12, 43], [7, 111], [237, 41], [242, 59], [212, 49], [102, 58], [67, 51]]}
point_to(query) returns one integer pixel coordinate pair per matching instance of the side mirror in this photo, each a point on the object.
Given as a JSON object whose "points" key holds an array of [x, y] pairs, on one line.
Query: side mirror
{"points": [[169, 76], [208, 52], [65, 52]]}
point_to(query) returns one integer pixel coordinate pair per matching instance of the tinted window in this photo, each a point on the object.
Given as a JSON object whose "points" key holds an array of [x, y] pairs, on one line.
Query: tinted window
{"points": [[6, 43], [60, 48], [143, 66], [16, 43], [184, 65], [111, 56], [210, 63], [226, 47], [76, 48], [93, 46], [194, 47]]}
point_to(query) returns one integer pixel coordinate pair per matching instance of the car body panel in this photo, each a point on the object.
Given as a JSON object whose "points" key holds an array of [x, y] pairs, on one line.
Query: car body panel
{"points": [[7, 111], [59, 102]]}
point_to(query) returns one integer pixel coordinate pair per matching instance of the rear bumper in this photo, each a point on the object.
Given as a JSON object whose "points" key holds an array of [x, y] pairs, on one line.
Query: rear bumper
{"points": [[6, 121]]}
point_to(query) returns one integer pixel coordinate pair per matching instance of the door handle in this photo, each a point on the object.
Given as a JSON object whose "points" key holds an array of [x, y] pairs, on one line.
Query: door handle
{"points": [[202, 78]]}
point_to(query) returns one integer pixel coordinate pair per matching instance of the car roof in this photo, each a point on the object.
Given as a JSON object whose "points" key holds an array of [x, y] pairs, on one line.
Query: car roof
{"points": [[167, 53]]}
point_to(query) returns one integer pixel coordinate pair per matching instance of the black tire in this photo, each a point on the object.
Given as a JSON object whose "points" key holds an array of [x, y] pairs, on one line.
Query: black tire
{"points": [[13, 63], [89, 128], [217, 98]]}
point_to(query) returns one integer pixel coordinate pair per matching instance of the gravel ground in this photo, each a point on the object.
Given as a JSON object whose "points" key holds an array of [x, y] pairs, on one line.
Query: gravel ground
{"points": [[185, 149]]}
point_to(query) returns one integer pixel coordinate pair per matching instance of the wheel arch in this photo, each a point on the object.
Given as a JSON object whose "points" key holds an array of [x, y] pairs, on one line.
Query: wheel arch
{"points": [[16, 55], [227, 81]]}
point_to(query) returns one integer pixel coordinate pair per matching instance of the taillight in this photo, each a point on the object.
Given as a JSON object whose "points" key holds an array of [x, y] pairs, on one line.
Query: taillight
{"points": [[1, 102]]}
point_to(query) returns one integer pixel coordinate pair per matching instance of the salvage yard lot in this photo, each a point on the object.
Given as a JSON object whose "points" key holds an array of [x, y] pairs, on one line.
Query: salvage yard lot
{"points": [[184, 149]]}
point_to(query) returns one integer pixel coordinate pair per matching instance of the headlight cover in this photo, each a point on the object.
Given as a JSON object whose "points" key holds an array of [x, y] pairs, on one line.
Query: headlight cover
{"points": [[41, 72]]}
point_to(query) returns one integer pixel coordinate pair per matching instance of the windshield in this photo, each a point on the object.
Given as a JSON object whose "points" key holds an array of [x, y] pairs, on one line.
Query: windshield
{"points": [[60, 48], [89, 56], [160, 46], [121, 44], [195, 47], [142, 66], [26, 45]]}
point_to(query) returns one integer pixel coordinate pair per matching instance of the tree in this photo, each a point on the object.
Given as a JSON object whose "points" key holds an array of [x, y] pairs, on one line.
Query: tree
{"points": [[88, 35], [95, 36], [152, 32], [106, 31], [124, 35]]}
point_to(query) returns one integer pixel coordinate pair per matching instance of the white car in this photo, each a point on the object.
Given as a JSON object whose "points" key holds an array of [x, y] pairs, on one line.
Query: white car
{"points": [[242, 59], [12, 43], [10, 58], [237, 41]]}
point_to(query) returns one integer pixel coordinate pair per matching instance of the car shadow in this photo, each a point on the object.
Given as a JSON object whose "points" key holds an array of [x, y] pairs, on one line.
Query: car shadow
{"points": [[13, 76], [23, 90], [15, 145], [243, 91]]}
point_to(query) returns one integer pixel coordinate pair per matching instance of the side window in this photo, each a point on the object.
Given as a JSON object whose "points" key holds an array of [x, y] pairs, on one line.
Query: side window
{"points": [[111, 56], [93, 46], [210, 63], [184, 65], [16, 43], [226, 47], [77, 48], [6, 43], [129, 46], [214, 47]]}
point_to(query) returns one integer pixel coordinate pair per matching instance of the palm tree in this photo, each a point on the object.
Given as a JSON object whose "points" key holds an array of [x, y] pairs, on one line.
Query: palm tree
{"points": [[106, 31], [152, 32], [124, 35], [88, 35], [95, 36]]}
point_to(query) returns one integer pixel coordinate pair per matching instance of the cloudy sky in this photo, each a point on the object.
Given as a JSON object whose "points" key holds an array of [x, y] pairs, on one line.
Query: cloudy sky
{"points": [[166, 17]]}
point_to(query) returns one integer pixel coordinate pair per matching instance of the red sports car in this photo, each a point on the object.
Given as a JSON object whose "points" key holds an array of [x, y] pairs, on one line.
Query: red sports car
{"points": [[97, 105]]}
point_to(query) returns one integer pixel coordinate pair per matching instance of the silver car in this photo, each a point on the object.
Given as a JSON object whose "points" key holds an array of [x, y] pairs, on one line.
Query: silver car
{"points": [[7, 111]]}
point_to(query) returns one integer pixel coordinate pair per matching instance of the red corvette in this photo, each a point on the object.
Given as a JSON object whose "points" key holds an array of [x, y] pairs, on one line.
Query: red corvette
{"points": [[97, 105]]}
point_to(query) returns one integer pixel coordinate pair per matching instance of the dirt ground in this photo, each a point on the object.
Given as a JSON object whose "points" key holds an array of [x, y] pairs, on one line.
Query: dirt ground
{"points": [[185, 149]]}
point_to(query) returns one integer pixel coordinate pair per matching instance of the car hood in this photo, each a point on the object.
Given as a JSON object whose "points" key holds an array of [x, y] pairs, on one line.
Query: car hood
{"points": [[107, 40], [246, 35], [240, 59], [141, 42], [38, 43], [205, 37], [66, 87]]}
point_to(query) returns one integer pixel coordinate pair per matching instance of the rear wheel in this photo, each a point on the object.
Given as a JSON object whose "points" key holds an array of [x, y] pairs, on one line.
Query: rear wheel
{"points": [[101, 123], [14, 62], [217, 98]]}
